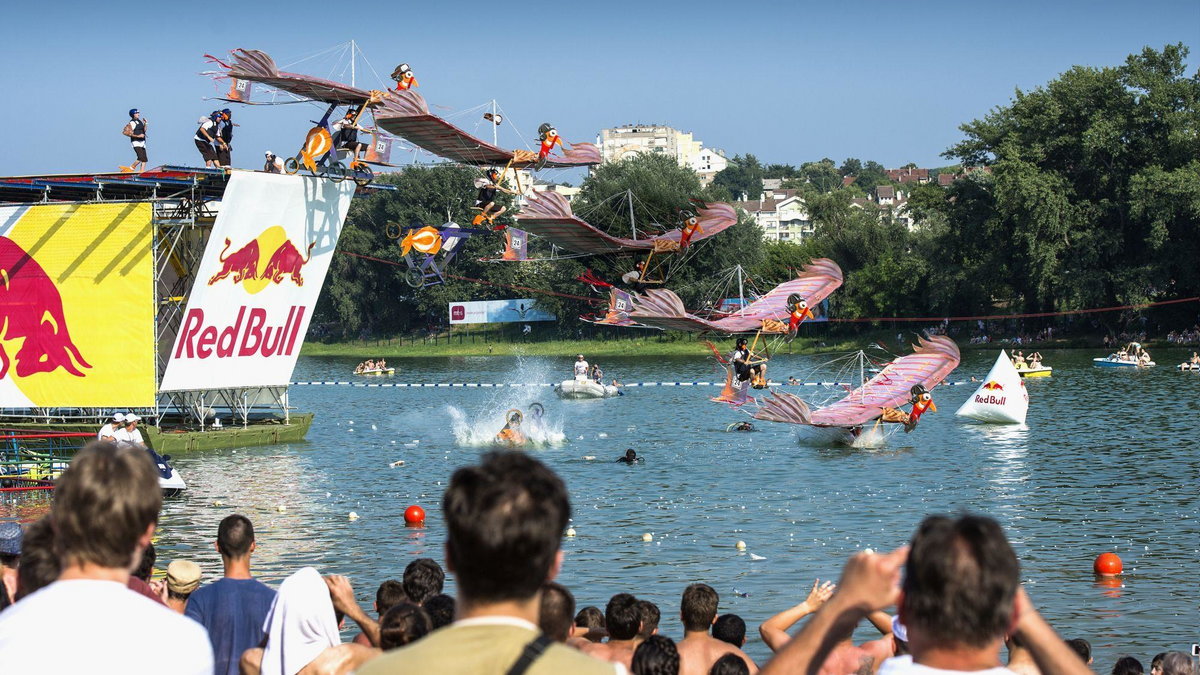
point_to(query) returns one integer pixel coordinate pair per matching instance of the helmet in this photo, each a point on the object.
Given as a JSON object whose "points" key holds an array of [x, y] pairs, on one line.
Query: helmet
{"points": [[227, 111], [400, 71], [918, 389], [545, 128], [133, 111], [492, 172], [741, 342]]}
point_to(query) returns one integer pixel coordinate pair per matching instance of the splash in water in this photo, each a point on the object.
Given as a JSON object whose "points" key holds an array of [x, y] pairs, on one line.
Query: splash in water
{"points": [[478, 428], [874, 436]]}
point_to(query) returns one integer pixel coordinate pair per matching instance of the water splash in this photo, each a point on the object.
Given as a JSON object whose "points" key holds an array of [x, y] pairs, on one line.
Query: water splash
{"points": [[874, 436], [478, 428]]}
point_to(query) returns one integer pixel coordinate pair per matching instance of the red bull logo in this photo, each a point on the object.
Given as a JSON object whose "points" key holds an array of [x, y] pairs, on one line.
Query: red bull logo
{"points": [[990, 399], [248, 265], [248, 336], [993, 385], [31, 308]]}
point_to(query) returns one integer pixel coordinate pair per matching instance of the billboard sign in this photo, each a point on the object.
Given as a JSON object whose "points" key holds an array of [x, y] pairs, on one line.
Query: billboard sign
{"points": [[76, 306], [262, 271], [498, 311]]}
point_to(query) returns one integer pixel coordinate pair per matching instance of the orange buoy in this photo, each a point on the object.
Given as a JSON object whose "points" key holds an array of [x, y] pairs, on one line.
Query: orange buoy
{"points": [[414, 515], [1107, 565]]}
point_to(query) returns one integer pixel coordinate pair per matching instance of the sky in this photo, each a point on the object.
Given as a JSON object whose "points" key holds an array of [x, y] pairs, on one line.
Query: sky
{"points": [[787, 81]]}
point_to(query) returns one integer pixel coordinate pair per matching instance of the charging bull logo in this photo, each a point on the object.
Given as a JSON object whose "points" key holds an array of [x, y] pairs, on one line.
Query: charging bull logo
{"points": [[254, 269], [993, 385], [31, 308]]}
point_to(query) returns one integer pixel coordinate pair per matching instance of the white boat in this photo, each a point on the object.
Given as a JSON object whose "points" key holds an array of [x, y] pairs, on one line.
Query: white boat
{"points": [[1001, 399], [376, 371], [169, 480], [584, 387], [1114, 361], [1187, 365]]}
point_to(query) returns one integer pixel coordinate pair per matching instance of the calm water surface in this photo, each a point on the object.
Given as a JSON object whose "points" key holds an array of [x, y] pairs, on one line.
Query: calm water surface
{"points": [[1108, 463]]}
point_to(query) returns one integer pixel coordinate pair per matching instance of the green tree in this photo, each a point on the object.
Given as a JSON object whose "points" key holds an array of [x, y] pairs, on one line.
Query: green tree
{"points": [[743, 176]]}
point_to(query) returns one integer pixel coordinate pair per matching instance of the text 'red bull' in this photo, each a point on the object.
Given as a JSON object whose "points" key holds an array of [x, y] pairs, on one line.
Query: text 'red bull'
{"points": [[248, 336]]}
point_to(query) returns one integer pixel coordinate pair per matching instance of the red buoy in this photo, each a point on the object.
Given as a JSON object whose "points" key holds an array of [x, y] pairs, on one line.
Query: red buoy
{"points": [[415, 515], [1107, 565]]}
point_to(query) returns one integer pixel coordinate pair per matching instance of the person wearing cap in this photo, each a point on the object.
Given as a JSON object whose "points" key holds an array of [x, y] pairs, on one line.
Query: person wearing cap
{"points": [[581, 367], [108, 432], [10, 559], [273, 164], [136, 131], [345, 134], [130, 433], [224, 138], [183, 577]]}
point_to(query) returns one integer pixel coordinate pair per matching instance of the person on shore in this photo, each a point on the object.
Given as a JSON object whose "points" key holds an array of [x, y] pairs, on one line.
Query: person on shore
{"points": [[556, 612], [698, 650], [233, 608], [730, 628], [183, 578], [105, 511], [729, 664], [440, 609], [1084, 649], [589, 625], [423, 579], [389, 594], [581, 367], [39, 566], [1127, 665], [108, 432], [1178, 663], [505, 520], [961, 596], [135, 130], [1156, 663], [624, 621], [658, 655], [403, 624], [650, 617], [206, 140], [10, 561], [272, 163], [1020, 661]]}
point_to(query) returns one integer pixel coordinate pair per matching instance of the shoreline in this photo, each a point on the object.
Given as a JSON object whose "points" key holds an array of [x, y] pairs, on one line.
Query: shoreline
{"points": [[450, 346]]}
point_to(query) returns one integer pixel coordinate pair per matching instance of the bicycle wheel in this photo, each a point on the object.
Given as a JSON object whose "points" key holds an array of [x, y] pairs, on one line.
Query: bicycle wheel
{"points": [[291, 165], [414, 278], [335, 172]]}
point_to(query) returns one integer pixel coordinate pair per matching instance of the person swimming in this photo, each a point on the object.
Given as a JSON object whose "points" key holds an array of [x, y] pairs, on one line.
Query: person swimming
{"points": [[630, 458], [740, 426]]}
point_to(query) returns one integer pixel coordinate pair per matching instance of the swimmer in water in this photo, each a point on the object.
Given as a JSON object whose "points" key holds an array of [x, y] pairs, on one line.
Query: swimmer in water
{"points": [[630, 458], [740, 426]]}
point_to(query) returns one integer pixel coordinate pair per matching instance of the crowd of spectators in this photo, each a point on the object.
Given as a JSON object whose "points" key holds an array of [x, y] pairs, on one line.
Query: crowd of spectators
{"points": [[1186, 337], [76, 598]]}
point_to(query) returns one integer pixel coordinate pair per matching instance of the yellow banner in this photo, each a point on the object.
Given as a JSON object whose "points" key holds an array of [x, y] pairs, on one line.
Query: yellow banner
{"points": [[76, 306]]}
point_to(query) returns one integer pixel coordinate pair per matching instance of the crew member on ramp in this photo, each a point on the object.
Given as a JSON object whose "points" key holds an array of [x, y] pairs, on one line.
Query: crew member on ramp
{"points": [[136, 131]]}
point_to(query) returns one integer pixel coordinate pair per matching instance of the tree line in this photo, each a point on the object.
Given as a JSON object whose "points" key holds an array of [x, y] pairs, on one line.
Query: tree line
{"points": [[1083, 192]]}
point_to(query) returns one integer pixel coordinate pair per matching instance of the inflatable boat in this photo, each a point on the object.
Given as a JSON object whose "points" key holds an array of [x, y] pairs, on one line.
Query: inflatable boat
{"points": [[584, 387]]}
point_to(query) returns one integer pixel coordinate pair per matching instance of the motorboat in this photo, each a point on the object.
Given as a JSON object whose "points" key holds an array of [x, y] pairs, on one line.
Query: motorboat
{"points": [[1126, 358], [169, 480], [377, 371], [584, 387]]}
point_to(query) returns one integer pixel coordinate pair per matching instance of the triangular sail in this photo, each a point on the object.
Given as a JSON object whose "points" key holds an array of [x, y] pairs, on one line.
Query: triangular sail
{"points": [[1001, 399]]}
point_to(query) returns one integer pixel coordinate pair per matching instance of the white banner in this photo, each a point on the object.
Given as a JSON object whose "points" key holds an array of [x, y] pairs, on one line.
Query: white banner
{"points": [[497, 311], [263, 269]]}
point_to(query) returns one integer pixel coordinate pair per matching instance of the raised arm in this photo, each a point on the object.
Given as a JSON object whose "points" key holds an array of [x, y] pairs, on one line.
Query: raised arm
{"points": [[342, 595], [774, 630], [1052, 654]]}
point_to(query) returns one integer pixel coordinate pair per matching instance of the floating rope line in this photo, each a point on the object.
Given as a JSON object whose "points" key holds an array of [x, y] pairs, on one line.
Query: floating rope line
{"points": [[537, 385]]}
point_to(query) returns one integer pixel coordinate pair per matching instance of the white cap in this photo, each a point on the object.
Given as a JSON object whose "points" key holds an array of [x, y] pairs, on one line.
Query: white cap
{"points": [[581, 356], [119, 417], [132, 418], [269, 153], [898, 629]]}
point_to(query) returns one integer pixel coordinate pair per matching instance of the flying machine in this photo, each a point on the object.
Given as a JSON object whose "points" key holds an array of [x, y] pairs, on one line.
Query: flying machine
{"points": [[908, 379], [318, 153], [430, 241]]}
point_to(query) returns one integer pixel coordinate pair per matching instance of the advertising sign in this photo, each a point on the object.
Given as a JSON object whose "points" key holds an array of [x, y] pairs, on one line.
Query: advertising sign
{"points": [[497, 311], [76, 306], [262, 271]]}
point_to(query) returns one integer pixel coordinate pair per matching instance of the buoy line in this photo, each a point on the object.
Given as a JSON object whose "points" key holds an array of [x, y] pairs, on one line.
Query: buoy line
{"points": [[488, 385]]}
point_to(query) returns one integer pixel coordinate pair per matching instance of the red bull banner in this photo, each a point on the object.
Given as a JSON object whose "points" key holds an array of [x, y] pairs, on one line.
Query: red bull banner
{"points": [[76, 306], [260, 277]]}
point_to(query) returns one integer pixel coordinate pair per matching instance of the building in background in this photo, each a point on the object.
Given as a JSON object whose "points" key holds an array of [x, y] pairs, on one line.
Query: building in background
{"points": [[782, 215], [625, 141]]}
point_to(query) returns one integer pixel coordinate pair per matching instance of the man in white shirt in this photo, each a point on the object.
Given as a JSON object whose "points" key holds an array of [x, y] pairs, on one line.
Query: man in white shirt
{"points": [[105, 510], [581, 367], [273, 164], [130, 433], [108, 432], [206, 140]]}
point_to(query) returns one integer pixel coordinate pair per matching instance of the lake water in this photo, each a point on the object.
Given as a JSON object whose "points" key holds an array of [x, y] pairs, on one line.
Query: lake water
{"points": [[1108, 463]]}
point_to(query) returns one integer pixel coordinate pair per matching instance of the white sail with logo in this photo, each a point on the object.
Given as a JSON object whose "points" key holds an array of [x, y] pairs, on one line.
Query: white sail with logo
{"points": [[1001, 399]]}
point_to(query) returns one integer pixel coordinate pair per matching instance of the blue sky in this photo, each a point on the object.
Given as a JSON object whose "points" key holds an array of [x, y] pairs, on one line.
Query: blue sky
{"points": [[787, 81]]}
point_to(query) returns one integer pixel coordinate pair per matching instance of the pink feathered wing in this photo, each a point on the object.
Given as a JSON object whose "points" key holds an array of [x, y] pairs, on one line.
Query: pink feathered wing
{"points": [[549, 216], [663, 309], [253, 65], [931, 362]]}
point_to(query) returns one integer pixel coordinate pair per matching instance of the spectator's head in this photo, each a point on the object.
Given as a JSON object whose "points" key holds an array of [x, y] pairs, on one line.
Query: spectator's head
{"points": [[440, 609], [622, 617], [183, 578], [1081, 647], [699, 607], [960, 583], [1127, 665], [423, 579], [389, 594], [656, 656], [589, 624], [1178, 663], [106, 506], [39, 564], [1156, 663], [650, 618], [729, 664], [505, 520], [403, 624], [557, 610], [10, 544], [145, 568], [730, 628], [235, 537]]}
